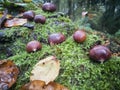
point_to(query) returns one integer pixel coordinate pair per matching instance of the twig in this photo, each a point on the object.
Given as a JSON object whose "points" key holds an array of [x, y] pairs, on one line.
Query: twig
{"points": [[3, 18]]}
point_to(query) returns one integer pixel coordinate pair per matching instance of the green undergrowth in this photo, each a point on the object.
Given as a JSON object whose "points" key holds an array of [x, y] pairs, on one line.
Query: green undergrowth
{"points": [[77, 71]]}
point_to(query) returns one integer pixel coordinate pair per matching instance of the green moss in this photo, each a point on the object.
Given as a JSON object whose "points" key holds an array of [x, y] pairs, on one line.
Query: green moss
{"points": [[77, 71]]}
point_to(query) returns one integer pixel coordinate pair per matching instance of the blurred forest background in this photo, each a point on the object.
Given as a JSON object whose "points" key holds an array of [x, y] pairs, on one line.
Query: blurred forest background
{"points": [[104, 15]]}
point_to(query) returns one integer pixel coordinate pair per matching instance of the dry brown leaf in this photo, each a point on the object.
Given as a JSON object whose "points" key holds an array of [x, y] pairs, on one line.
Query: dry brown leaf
{"points": [[34, 85], [46, 70], [15, 22], [55, 86], [40, 85], [8, 74]]}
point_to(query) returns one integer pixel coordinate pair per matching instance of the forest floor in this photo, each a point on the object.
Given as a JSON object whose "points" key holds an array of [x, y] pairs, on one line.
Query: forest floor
{"points": [[73, 56]]}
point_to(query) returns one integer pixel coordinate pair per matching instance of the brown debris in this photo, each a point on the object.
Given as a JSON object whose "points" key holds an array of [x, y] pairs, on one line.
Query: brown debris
{"points": [[116, 54], [40, 85], [8, 74]]}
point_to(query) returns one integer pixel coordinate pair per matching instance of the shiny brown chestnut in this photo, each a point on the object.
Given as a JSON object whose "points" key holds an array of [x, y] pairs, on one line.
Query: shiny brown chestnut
{"points": [[33, 46], [100, 53], [40, 19], [56, 38], [79, 36], [29, 15], [50, 7]]}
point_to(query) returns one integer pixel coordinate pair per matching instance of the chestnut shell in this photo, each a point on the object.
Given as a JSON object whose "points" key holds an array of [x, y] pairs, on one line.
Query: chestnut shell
{"points": [[56, 38], [29, 15], [79, 36], [39, 19], [100, 53], [50, 7], [33, 46]]}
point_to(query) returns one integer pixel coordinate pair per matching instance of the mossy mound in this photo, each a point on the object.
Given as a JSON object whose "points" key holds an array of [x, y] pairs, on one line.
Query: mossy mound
{"points": [[77, 72]]}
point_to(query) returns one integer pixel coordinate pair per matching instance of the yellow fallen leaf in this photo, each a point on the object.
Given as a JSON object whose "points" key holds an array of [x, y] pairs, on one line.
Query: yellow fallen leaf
{"points": [[46, 70]]}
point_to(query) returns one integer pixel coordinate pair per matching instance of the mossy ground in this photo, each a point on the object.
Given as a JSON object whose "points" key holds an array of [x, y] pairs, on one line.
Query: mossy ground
{"points": [[77, 71]]}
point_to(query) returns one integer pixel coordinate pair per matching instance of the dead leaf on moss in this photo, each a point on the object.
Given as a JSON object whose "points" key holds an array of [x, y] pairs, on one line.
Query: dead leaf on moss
{"points": [[46, 70], [8, 74], [55, 86], [40, 85], [15, 22]]}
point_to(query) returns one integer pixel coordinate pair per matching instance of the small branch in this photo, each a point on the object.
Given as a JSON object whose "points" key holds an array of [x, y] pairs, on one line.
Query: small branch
{"points": [[3, 18]]}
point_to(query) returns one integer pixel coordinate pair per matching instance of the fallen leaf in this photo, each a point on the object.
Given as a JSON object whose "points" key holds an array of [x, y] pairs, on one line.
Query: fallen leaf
{"points": [[15, 22], [46, 70], [8, 74], [55, 86], [40, 85]]}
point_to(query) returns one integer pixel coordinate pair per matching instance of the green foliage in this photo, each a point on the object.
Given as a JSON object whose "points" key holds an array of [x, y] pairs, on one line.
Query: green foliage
{"points": [[117, 34], [110, 20], [12, 5], [77, 71]]}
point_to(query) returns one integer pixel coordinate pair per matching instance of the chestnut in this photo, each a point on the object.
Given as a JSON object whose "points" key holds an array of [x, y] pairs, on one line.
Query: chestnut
{"points": [[33, 46], [79, 36], [100, 53], [50, 7], [29, 15], [56, 38], [39, 19]]}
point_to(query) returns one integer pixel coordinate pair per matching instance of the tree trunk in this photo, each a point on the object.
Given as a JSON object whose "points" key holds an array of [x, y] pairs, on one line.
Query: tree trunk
{"points": [[108, 19]]}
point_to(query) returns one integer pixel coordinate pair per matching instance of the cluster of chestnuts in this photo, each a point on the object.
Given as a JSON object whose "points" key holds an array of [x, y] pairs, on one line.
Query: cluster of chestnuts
{"points": [[56, 38], [30, 15], [98, 53]]}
